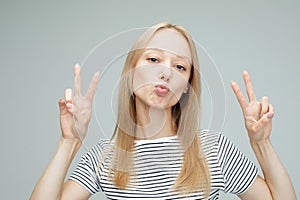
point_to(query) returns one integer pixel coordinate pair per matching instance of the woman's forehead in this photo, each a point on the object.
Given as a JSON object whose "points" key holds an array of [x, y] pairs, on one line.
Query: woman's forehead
{"points": [[171, 41]]}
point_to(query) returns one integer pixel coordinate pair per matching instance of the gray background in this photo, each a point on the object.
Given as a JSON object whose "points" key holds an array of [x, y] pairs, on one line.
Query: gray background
{"points": [[41, 41]]}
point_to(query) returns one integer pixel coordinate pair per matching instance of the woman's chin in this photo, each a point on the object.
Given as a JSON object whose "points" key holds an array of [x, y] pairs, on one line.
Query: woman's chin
{"points": [[161, 105]]}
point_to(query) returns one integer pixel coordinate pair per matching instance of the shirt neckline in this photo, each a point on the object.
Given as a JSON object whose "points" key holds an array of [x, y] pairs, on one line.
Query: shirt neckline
{"points": [[161, 139]]}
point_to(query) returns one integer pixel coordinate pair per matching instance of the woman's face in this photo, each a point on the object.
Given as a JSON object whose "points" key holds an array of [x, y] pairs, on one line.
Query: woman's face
{"points": [[162, 72]]}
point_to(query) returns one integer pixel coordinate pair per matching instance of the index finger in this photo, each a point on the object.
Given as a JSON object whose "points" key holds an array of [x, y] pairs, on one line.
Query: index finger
{"points": [[239, 95], [249, 87]]}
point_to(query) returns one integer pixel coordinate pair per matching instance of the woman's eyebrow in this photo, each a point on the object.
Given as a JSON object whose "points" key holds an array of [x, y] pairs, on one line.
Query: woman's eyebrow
{"points": [[183, 58], [155, 50]]}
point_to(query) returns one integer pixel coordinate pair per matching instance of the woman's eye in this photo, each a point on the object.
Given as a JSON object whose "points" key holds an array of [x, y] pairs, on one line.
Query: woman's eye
{"points": [[180, 67], [154, 60]]}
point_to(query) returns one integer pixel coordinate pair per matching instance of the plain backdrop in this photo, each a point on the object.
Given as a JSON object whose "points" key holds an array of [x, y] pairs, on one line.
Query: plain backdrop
{"points": [[40, 41]]}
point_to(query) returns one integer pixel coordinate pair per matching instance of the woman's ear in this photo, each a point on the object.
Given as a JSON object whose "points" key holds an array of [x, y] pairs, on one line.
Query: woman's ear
{"points": [[186, 89]]}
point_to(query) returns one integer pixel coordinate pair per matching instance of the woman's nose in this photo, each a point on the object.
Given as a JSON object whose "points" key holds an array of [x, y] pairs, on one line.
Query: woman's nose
{"points": [[166, 72]]}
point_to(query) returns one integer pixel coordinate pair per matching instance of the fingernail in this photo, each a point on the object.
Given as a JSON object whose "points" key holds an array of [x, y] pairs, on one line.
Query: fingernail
{"points": [[69, 106], [97, 74], [270, 115], [68, 94]]}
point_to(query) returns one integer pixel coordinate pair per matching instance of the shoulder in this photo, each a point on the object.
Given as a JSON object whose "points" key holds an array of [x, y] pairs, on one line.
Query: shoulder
{"points": [[214, 142], [206, 135], [209, 138], [212, 137], [209, 141], [99, 149]]}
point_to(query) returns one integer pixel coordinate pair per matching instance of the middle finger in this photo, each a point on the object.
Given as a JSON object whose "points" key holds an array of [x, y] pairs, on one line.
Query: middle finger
{"points": [[77, 80], [249, 87]]}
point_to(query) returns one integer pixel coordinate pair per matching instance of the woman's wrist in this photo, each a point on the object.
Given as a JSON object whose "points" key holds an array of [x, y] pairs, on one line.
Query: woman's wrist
{"points": [[71, 143], [262, 146]]}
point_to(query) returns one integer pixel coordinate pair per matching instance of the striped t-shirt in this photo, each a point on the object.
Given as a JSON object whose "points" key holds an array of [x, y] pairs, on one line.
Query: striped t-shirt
{"points": [[157, 165]]}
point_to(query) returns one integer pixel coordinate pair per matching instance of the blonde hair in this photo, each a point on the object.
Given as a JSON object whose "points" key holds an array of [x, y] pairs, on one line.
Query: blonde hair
{"points": [[195, 174]]}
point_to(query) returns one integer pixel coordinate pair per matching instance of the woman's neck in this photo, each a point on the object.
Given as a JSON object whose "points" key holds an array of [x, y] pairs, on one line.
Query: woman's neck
{"points": [[153, 123]]}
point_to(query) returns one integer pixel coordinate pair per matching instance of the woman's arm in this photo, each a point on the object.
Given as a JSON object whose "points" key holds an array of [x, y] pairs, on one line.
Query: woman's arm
{"points": [[75, 114], [275, 175], [258, 121], [50, 185]]}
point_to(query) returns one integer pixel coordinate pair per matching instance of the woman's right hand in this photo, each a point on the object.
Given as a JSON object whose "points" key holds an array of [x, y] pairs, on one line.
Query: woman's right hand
{"points": [[75, 111]]}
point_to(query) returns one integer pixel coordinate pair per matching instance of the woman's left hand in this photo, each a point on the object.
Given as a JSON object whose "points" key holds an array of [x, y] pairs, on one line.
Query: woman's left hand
{"points": [[257, 114]]}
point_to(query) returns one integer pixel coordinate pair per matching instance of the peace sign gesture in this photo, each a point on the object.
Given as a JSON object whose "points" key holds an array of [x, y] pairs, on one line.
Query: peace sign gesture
{"points": [[257, 114], [75, 111]]}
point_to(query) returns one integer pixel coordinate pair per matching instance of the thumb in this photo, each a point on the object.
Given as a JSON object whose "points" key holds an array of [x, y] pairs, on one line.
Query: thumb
{"points": [[62, 106]]}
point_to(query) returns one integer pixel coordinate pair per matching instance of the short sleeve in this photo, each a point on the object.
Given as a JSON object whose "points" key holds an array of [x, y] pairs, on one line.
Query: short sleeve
{"points": [[238, 171], [86, 171]]}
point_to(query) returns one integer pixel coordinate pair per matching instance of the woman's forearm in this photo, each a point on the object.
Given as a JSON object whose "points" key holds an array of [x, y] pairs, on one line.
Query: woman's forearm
{"points": [[274, 172], [50, 184]]}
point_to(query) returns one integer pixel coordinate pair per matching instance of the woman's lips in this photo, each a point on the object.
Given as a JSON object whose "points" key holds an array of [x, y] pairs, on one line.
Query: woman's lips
{"points": [[161, 90]]}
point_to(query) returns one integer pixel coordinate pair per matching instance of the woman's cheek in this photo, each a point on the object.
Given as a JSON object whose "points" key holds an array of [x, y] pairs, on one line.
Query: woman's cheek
{"points": [[145, 75], [179, 85], [140, 77]]}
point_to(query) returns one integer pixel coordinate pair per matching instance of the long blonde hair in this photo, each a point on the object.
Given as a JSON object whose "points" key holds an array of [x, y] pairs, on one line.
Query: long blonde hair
{"points": [[195, 174]]}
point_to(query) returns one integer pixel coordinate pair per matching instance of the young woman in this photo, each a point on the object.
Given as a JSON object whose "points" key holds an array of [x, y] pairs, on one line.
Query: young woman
{"points": [[156, 151]]}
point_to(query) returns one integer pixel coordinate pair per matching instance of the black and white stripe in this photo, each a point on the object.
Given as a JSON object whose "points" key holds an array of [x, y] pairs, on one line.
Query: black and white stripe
{"points": [[157, 164]]}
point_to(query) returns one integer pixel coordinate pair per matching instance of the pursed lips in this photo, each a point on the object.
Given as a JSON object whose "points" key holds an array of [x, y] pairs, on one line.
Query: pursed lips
{"points": [[161, 90]]}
